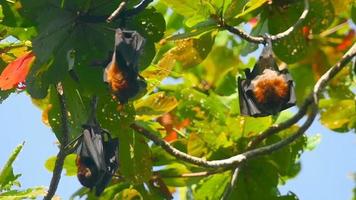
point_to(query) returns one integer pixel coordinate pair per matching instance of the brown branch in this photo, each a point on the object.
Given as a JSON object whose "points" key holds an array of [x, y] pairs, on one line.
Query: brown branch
{"points": [[259, 39], [235, 161], [58, 167], [193, 174], [116, 12]]}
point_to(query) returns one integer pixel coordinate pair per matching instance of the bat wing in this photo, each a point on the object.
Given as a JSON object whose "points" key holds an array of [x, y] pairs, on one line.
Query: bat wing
{"points": [[247, 105], [292, 97], [112, 163], [128, 46], [92, 147]]}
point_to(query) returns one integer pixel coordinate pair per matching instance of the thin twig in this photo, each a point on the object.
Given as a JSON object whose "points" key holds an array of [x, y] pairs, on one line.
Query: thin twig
{"points": [[232, 184], [240, 158], [259, 39], [116, 13], [193, 174], [58, 167]]}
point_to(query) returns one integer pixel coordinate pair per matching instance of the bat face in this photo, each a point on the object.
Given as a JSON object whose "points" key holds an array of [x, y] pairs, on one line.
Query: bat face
{"points": [[121, 73], [97, 159], [266, 90]]}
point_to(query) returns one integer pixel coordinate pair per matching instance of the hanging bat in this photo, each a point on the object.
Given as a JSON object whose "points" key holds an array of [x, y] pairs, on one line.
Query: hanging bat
{"points": [[122, 72], [97, 158], [266, 90]]}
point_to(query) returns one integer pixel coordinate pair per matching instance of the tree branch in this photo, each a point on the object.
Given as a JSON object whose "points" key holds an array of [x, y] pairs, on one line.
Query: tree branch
{"points": [[58, 167], [259, 39], [235, 161]]}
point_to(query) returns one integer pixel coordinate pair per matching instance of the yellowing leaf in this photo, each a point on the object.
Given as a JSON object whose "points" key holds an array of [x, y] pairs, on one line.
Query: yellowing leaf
{"points": [[155, 105], [338, 114]]}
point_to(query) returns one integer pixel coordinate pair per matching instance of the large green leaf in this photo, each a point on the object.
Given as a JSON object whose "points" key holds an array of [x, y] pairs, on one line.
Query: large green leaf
{"points": [[69, 164], [212, 187], [135, 157], [155, 105], [296, 45], [338, 114], [77, 107]]}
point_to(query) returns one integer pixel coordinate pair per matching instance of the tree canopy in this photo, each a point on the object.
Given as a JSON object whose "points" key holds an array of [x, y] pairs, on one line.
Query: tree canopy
{"points": [[183, 129]]}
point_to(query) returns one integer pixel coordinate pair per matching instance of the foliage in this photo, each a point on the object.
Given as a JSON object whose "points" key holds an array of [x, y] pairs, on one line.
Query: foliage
{"points": [[8, 180], [190, 65]]}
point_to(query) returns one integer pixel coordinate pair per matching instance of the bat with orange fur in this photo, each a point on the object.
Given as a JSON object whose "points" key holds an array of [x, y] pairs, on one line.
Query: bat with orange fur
{"points": [[122, 72], [266, 90]]}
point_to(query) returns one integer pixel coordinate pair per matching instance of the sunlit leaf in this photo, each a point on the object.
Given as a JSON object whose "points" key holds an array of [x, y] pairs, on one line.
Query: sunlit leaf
{"points": [[30, 193], [6, 174], [16, 71], [155, 105], [338, 115], [69, 164], [135, 157]]}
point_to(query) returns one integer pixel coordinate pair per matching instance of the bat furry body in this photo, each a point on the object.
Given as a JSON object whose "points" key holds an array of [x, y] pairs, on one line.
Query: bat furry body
{"points": [[266, 90]]}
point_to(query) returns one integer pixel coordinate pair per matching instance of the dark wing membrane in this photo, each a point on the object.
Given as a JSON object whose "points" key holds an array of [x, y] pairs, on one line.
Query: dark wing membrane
{"points": [[111, 159], [292, 98], [94, 145], [247, 105], [128, 47]]}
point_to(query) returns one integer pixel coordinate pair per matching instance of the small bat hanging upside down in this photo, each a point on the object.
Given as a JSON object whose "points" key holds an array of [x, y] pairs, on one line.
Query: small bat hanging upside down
{"points": [[122, 72], [97, 158], [266, 90]]}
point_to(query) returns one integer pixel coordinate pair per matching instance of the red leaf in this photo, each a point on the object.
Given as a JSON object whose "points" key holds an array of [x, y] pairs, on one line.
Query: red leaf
{"points": [[171, 123], [16, 71], [347, 41]]}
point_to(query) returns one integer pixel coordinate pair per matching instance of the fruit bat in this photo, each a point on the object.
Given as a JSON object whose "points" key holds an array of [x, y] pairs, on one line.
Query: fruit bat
{"points": [[266, 90], [122, 72], [97, 158]]}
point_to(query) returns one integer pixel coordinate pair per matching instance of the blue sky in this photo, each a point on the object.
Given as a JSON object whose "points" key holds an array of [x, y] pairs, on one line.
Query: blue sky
{"points": [[325, 170]]}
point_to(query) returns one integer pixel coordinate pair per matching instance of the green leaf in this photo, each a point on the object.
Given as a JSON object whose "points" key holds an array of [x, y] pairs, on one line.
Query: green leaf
{"points": [[257, 180], [6, 174], [212, 187], [286, 160], [171, 175], [128, 194], [11, 15], [251, 6], [303, 76], [114, 117], [195, 31], [338, 115], [76, 106], [155, 105], [313, 142], [151, 25], [31, 193], [194, 11], [135, 157], [4, 95], [69, 164], [296, 46]]}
